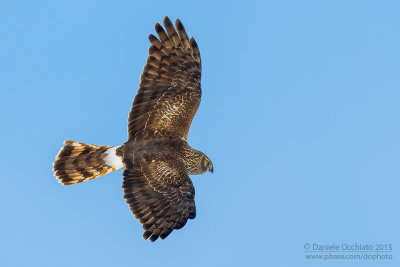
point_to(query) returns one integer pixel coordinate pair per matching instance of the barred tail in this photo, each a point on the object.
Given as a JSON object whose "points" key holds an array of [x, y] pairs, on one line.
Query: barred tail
{"points": [[79, 162]]}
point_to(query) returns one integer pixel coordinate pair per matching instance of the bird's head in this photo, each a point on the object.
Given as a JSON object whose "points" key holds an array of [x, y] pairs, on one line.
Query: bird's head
{"points": [[198, 163], [207, 164]]}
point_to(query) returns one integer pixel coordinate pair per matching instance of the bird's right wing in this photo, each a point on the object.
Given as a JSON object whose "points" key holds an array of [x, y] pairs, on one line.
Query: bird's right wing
{"points": [[169, 91], [159, 193]]}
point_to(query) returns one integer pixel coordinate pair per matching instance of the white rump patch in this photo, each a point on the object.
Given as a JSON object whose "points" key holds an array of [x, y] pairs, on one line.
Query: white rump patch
{"points": [[112, 159]]}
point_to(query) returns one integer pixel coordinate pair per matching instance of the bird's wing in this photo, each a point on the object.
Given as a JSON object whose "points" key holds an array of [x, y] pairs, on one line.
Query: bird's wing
{"points": [[159, 193], [169, 91]]}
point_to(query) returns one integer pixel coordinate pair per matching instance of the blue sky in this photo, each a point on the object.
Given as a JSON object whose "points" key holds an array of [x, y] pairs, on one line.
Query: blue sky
{"points": [[300, 115]]}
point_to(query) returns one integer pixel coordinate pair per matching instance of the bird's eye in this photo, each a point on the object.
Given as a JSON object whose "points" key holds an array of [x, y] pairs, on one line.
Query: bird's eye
{"points": [[207, 162]]}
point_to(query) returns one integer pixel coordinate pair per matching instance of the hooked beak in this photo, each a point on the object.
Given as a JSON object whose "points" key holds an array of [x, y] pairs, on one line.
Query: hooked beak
{"points": [[211, 168]]}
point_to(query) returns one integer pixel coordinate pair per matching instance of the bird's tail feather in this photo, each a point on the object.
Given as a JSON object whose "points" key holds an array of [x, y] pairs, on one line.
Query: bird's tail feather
{"points": [[78, 162]]}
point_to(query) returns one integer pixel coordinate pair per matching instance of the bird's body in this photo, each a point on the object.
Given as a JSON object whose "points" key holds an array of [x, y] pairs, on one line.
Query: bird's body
{"points": [[177, 148], [157, 160]]}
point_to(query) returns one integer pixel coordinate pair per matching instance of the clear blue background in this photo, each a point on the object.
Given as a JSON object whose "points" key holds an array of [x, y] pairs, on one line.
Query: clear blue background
{"points": [[300, 115]]}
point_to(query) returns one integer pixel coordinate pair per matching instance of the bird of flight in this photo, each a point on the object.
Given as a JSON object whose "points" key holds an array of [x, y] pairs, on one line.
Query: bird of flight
{"points": [[156, 159]]}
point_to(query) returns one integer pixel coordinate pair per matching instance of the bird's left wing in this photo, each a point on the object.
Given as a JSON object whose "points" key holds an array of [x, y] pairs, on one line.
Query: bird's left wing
{"points": [[159, 193]]}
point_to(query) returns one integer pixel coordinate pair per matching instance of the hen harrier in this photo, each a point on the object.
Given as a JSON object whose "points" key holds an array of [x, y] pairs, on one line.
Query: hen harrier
{"points": [[156, 159]]}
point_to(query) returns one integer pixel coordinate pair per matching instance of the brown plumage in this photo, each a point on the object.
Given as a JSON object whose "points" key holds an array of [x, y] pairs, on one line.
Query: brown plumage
{"points": [[156, 159], [77, 162]]}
